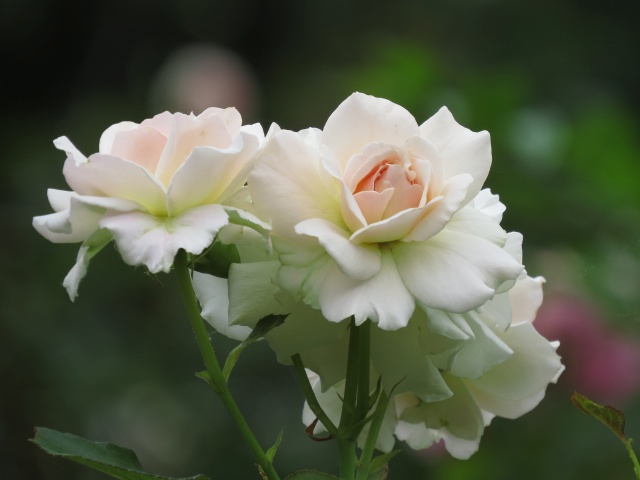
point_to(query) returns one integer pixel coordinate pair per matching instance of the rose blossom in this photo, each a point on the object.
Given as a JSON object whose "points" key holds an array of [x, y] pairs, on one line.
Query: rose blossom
{"points": [[374, 214], [509, 389], [153, 187], [450, 373], [462, 343]]}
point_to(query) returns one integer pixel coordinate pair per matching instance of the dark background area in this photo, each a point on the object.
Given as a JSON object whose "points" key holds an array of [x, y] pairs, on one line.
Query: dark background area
{"points": [[555, 83]]}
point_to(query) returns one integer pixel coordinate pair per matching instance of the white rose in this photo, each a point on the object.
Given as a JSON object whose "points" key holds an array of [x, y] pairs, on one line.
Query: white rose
{"points": [[153, 187], [508, 389], [373, 214]]}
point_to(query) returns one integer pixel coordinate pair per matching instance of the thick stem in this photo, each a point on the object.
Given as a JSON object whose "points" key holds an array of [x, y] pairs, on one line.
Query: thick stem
{"points": [[348, 458], [356, 398], [212, 365]]}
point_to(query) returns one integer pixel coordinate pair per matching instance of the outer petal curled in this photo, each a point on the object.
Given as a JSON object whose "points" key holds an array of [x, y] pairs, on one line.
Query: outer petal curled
{"points": [[144, 239]]}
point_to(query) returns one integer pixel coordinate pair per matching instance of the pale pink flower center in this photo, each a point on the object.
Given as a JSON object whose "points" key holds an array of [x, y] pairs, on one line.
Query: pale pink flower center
{"points": [[383, 184]]}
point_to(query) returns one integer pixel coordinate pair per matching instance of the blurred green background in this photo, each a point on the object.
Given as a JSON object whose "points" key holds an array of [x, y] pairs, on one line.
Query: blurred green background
{"points": [[556, 83]]}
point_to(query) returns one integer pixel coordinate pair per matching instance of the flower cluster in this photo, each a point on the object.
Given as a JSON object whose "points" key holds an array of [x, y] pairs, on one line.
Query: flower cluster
{"points": [[373, 218]]}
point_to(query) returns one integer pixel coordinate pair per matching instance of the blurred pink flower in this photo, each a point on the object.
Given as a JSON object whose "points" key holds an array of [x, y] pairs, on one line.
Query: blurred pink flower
{"points": [[601, 362]]}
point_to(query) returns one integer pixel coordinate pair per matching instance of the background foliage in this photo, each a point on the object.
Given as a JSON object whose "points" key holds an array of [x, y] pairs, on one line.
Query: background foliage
{"points": [[555, 83]]}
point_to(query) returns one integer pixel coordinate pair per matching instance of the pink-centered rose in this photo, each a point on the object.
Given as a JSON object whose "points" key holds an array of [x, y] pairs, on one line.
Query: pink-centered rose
{"points": [[155, 187], [375, 214]]}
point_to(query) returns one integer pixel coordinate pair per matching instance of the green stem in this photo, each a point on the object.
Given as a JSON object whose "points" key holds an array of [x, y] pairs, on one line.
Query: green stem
{"points": [[213, 367], [310, 395], [362, 405], [351, 382], [634, 459], [348, 459], [355, 404], [372, 438]]}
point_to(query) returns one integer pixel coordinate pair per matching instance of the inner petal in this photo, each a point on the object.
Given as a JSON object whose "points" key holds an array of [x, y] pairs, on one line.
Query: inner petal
{"points": [[141, 145], [373, 205], [410, 197], [368, 161]]}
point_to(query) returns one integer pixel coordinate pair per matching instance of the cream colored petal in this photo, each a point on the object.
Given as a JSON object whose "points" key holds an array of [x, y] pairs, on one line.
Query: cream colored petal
{"points": [[289, 184], [211, 175], [144, 239], [359, 262], [461, 150], [454, 271], [108, 176], [212, 293], [363, 119], [383, 298]]}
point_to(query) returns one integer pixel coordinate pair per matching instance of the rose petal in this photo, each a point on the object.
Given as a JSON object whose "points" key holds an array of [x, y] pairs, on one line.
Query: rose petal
{"points": [[64, 144], [416, 435], [188, 132], [69, 226], [454, 271], [76, 217], [509, 389], [154, 241], [453, 194], [458, 447], [459, 414], [96, 242], [489, 204], [252, 295], [351, 212], [383, 298], [59, 199], [161, 122], [373, 205], [398, 358], [396, 227], [358, 262], [496, 313], [526, 298], [363, 119], [211, 175], [212, 293], [303, 269], [484, 351], [329, 361], [138, 144], [472, 221], [461, 150], [304, 188], [108, 176], [304, 331]]}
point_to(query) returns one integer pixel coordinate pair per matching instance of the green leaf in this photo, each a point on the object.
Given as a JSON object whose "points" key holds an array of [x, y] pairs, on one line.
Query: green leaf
{"points": [[310, 475], [115, 461], [379, 474], [217, 259], [373, 398], [379, 467], [611, 417], [264, 326], [272, 451]]}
